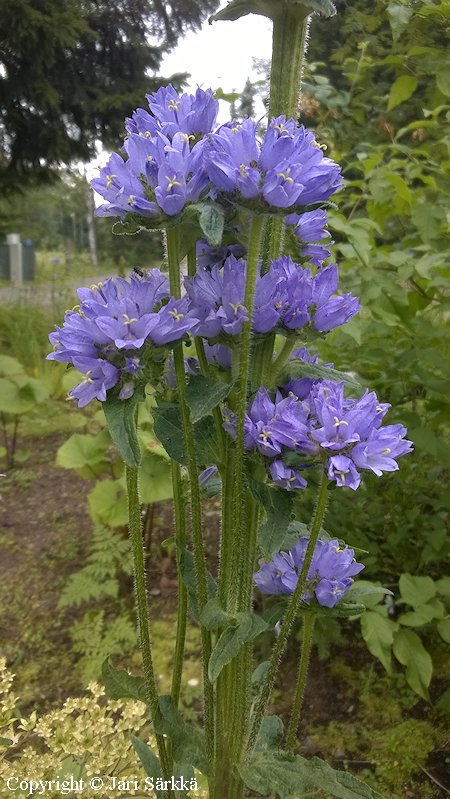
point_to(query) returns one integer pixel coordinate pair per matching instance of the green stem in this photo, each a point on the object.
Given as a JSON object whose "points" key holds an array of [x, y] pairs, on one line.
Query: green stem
{"points": [[309, 619], [289, 41], [291, 613], [196, 511], [240, 537], [280, 360], [151, 692], [180, 527]]}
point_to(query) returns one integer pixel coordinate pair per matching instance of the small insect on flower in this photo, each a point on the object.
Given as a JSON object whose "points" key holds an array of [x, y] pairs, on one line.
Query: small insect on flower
{"points": [[138, 271]]}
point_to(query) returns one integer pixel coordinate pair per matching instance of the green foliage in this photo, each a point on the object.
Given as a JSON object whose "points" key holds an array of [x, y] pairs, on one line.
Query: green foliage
{"points": [[120, 684], [246, 627], [290, 776], [95, 637], [384, 636], [392, 248]]}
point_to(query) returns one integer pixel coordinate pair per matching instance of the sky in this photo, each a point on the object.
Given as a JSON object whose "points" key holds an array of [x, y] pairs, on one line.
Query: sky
{"points": [[218, 56]]}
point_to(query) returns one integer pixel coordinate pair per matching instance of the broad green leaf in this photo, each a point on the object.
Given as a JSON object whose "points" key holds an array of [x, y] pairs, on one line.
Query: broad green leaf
{"points": [[121, 420], [364, 591], [270, 733], [410, 652], [155, 479], [246, 628], [399, 16], [169, 430], [6, 742], [211, 221], [401, 90], [277, 504], [108, 503], [20, 394], [443, 628], [150, 762], [86, 453], [121, 685], [275, 772], [416, 591], [378, 633], [422, 614], [203, 394], [443, 80], [214, 616], [10, 366], [188, 742], [443, 586]]}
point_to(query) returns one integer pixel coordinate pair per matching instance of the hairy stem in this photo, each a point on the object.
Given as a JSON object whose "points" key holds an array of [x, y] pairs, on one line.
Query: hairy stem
{"points": [[151, 692], [309, 619], [291, 614], [180, 528]]}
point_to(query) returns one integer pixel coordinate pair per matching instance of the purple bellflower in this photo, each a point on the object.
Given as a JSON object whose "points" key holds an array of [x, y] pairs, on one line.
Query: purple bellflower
{"points": [[329, 576], [116, 323]]}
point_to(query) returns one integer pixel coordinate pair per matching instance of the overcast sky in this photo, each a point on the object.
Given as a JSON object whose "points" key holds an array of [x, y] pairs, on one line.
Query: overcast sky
{"points": [[221, 54], [218, 56]]}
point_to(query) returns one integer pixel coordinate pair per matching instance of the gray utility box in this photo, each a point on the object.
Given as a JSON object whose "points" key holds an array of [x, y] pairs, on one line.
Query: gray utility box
{"points": [[17, 259]]}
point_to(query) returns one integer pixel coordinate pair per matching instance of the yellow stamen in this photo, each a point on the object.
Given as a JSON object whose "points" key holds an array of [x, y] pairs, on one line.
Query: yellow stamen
{"points": [[109, 180], [173, 105], [176, 315], [128, 321], [285, 175], [386, 451], [235, 307], [265, 435], [172, 182], [337, 422]]}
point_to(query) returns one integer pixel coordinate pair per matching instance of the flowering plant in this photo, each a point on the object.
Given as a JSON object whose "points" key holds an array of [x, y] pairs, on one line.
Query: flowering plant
{"points": [[250, 407]]}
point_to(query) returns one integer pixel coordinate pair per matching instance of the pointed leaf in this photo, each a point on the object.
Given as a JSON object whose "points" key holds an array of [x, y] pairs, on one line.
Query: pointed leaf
{"points": [[188, 742], [416, 591], [378, 633], [121, 685], [270, 8], [296, 369], [410, 652], [275, 772], [232, 640], [270, 733], [169, 431], [203, 394], [214, 616], [150, 762], [401, 90], [120, 417], [277, 504], [211, 221]]}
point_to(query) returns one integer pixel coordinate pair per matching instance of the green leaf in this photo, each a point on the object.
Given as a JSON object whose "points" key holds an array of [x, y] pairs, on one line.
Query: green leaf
{"points": [[155, 479], [108, 503], [270, 8], [169, 430], [121, 420], [378, 633], [245, 629], [270, 733], [443, 80], [211, 221], [399, 16], [401, 90], [422, 614], [410, 652], [297, 368], [86, 453], [188, 742], [443, 586], [6, 742], [203, 394], [443, 628], [275, 772], [416, 591], [367, 592], [277, 504], [10, 367], [150, 762], [214, 616], [121, 685]]}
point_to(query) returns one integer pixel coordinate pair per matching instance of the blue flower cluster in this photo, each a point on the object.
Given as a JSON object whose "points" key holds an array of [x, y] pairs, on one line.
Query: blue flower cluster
{"points": [[329, 576], [173, 156], [322, 425], [286, 296], [107, 335]]}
